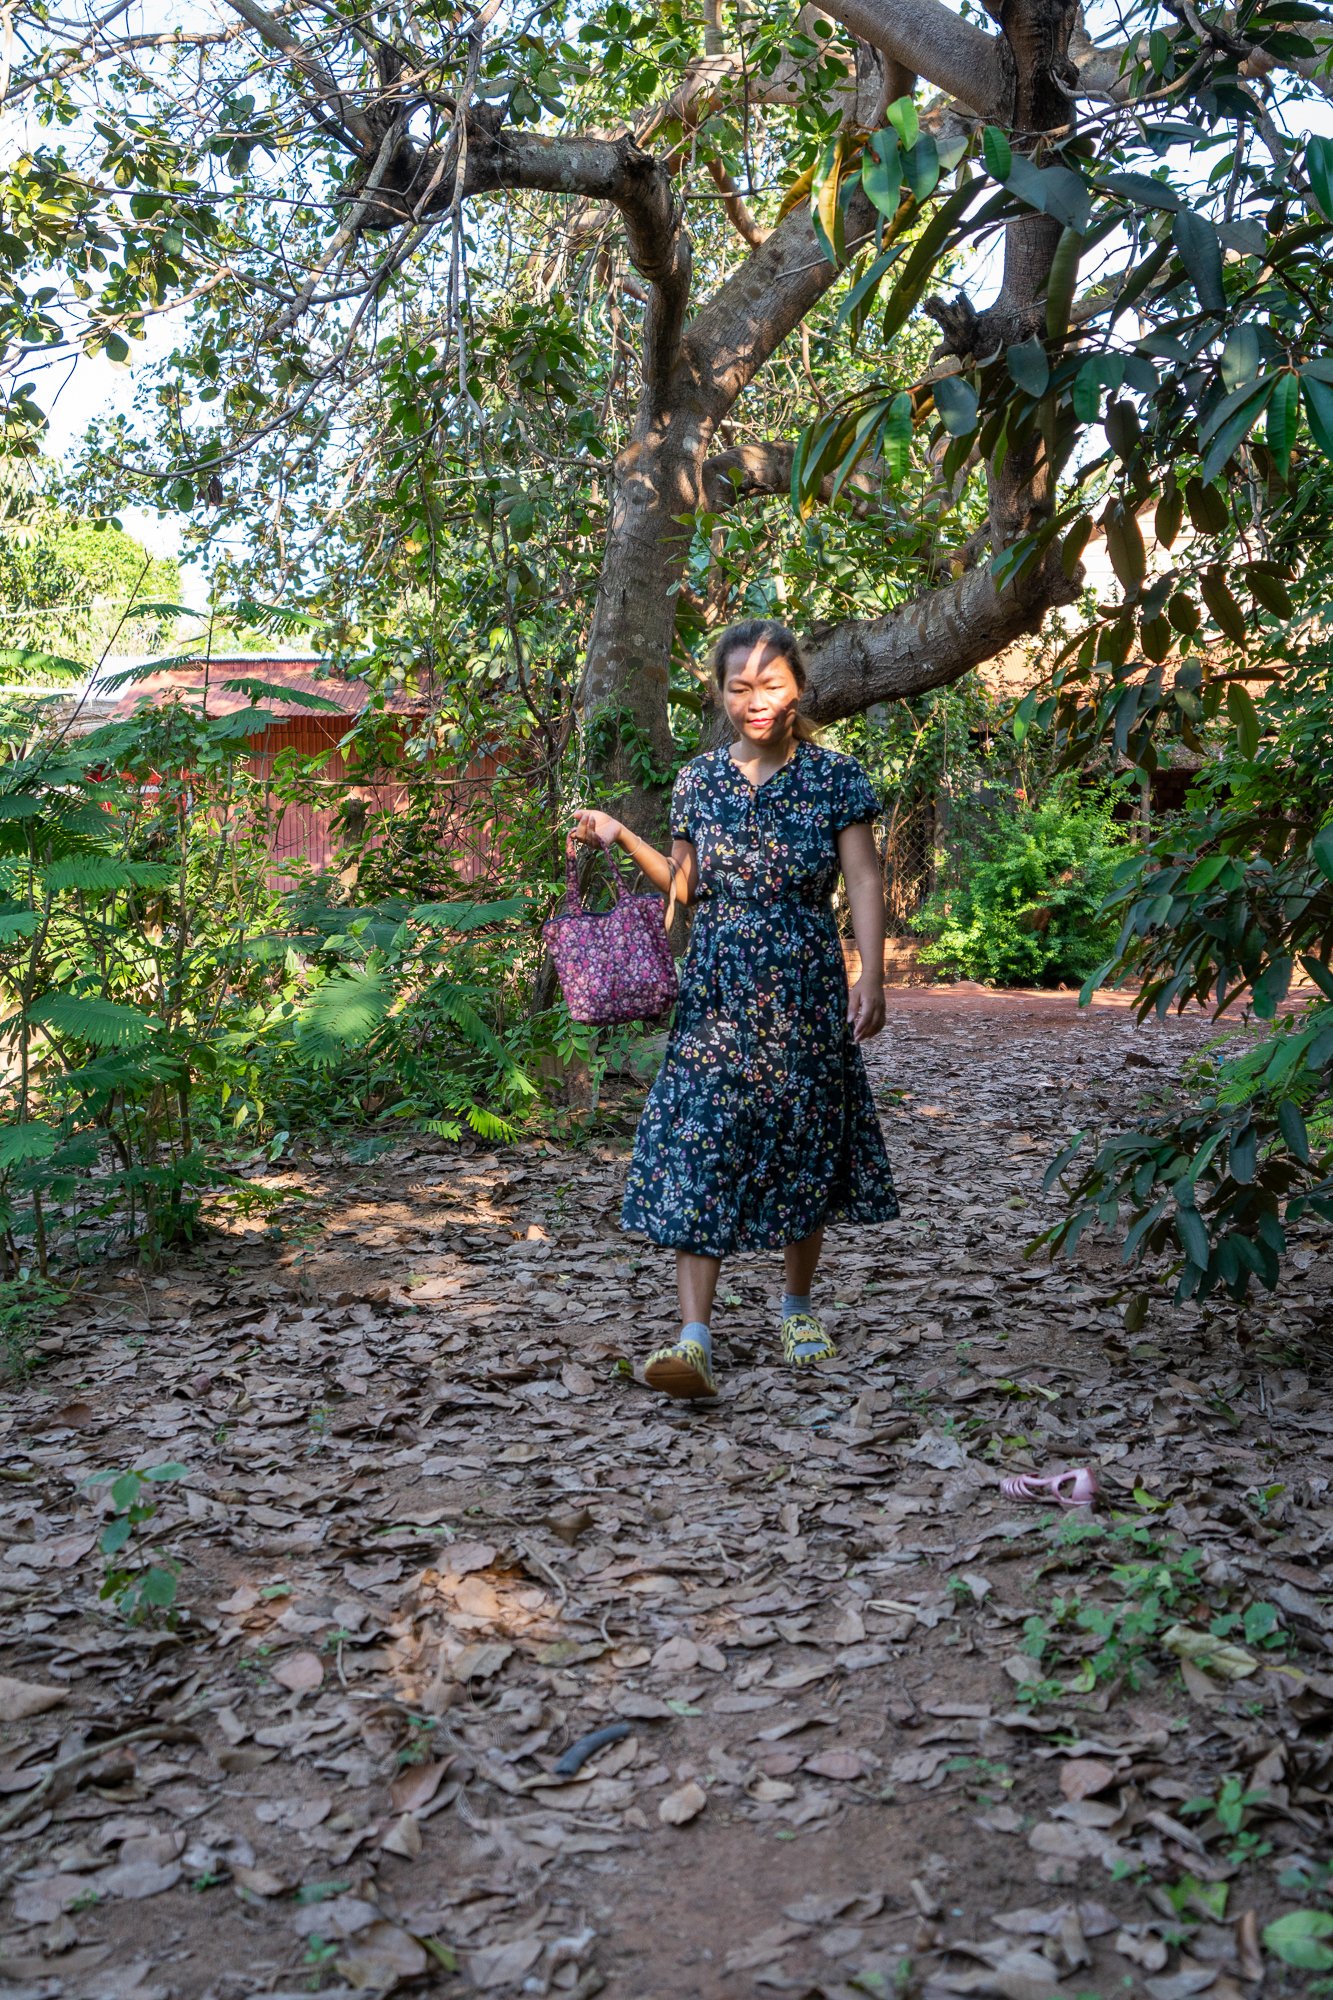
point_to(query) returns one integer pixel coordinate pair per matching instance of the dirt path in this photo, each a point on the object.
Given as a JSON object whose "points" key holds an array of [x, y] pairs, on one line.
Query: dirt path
{"points": [[878, 1732]]}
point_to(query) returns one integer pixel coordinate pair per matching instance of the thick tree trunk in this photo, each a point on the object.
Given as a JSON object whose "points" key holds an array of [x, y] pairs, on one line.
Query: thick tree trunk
{"points": [[664, 476], [628, 664]]}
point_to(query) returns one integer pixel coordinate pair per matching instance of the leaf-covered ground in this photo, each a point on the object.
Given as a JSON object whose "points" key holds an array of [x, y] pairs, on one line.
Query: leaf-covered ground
{"points": [[876, 1730]]}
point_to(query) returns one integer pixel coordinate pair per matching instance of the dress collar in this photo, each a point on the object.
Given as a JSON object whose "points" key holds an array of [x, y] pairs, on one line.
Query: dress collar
{"points": [[773, 777]]}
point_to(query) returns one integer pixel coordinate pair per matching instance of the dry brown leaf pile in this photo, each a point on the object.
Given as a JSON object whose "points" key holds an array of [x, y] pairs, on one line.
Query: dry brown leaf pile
{"points": [[434, 1534]]}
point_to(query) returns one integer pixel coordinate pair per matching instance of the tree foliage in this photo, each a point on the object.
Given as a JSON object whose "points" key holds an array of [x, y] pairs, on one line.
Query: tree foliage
{"points": [[528, 320]]}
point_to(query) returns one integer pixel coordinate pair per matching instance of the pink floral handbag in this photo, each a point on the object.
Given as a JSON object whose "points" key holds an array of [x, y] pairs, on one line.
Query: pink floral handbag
{"points": [[613, 965]]}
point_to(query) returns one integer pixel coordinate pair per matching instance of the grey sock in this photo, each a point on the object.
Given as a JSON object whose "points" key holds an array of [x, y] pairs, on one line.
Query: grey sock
{"points": [[694, 1329], [799, 1302]]}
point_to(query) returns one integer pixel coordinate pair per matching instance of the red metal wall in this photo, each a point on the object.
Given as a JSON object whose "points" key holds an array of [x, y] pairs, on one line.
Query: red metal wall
{"points": [[306, 832]]}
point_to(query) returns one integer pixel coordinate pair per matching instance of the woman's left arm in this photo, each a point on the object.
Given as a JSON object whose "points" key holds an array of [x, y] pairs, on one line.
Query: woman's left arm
{"points": [[865, 893]]}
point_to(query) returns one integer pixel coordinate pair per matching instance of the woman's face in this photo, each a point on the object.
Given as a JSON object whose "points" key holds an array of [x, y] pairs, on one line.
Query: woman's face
{"points": [[761, 694]]}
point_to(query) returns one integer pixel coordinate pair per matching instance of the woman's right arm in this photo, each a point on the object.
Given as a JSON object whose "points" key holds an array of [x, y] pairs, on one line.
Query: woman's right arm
{"points": [[598, 829]]}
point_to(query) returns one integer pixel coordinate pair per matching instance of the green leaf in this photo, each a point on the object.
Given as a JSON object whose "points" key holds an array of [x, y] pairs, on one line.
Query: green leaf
{"points": [[1201, 253], [882, 172], [1230, 424], [1087, 393], [258, 690], [1243, 1155], [1270, 988], [1227, 613], [1168, 513], [1245, 716], [1321, 851], [902, 116], [1240, 355], [1284, 411], [1318, 398], [1055, 191], [90, 874], [23, 664], [1061, 284], [1319, 166], [1123, 433], [898, 436], [1193, 1236], [853, 306], [106, 1024], [1291, 1124], [1207, 509], [1143, 190], [998, 153], [1268, 590], [343, 1014], [158, 1588], [1295, 1939], [1124, 545], [115, 1535], [161, 1472], [921, 168], [956, 401], [469, 916], [1320, 974], [921, 263], [1027, 364], [35, 1141]]}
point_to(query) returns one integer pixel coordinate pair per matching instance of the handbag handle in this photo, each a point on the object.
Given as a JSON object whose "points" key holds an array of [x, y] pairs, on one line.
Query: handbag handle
{"points": [[574, 898]]}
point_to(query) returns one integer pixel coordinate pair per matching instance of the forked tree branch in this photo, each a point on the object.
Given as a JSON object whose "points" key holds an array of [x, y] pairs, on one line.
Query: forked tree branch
{"points": [[749, 316]]}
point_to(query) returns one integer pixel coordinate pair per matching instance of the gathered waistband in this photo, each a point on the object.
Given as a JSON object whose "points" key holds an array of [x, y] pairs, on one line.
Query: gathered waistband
{"points": [[714, 903]]}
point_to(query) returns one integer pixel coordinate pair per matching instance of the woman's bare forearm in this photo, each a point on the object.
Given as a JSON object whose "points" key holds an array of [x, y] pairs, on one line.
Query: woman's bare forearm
{"points": [[867, 901], [659, 868], [865, 893]]}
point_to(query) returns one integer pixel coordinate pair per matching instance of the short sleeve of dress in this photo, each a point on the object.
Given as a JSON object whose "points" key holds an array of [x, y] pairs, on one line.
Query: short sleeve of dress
{"points": [[682, 804], [854, 797]]}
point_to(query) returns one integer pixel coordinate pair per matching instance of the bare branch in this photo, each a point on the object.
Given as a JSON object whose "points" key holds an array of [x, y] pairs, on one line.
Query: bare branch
{"points": [[760, 471], [313, 68], [929, 39], [735, 206], [929, 642]]}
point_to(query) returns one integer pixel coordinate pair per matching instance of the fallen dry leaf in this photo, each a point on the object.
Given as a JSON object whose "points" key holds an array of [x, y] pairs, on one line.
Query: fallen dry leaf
{"points": [[417, 1785], [503, 1964], [20, 1699], [1214, 1656], [301, 1672], [763, 1588], [1084, 1777], [382, 1956], [404, 1838], [678, 1808]]}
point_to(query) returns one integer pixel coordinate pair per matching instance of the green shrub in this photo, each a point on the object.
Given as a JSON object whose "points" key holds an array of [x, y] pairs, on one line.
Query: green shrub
{"points": [[1018, 900]]}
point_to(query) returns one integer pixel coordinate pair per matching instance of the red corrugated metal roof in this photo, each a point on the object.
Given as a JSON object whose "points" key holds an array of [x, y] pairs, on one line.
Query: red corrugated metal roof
{"points": [[206, 681]]}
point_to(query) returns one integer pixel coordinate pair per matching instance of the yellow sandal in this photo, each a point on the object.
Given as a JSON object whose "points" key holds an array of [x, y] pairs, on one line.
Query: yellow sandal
{"points": [[802, 1330], [682, 1370]]}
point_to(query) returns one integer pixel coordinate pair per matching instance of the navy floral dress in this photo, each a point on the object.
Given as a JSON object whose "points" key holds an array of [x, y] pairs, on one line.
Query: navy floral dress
{"points": [[760, 1125]]}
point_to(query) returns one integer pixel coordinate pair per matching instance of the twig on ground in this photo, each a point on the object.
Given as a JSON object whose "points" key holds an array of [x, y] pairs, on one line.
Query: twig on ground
{"points": [[173, 1730]]}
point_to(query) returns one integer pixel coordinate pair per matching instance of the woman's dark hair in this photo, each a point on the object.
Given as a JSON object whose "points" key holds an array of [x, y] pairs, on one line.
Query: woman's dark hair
{"points": [[777, 638]]}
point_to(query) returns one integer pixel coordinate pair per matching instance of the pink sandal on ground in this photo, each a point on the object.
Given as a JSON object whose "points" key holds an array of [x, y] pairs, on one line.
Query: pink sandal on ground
{"points": [[1075, 1488]]}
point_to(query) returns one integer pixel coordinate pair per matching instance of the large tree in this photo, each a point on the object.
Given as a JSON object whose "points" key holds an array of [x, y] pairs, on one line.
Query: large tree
{"points": [[705, 187]]}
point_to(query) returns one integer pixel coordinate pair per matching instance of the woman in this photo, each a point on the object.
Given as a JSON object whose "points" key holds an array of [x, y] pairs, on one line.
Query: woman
{"points": [[760, 1127]]}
